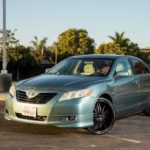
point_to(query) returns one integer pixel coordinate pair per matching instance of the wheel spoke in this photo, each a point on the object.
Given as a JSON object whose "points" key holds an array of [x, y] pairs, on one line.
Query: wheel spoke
{"points": [[103, 109], [95, 115], [99, 108], [101, 123], [95, 111], [98, 125], [106, 113]]}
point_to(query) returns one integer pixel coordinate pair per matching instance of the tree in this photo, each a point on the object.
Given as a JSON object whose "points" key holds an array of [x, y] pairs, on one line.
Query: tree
{"points": [[39, 47], [11, 40], [119, 45], [109, 48], [133, 49], [120, 39], [19, 57], [73, 42], [0, 54]]}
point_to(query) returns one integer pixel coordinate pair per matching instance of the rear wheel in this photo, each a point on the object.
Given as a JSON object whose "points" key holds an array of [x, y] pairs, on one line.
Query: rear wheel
{"points": [[103, 117], [147, 112]]}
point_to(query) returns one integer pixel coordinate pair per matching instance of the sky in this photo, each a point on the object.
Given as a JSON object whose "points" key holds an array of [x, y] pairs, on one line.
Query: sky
{"points": [[101, 18]]}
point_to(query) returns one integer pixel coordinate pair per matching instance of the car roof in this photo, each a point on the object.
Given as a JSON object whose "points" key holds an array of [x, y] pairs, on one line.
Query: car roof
{"points": [[111, 56]]}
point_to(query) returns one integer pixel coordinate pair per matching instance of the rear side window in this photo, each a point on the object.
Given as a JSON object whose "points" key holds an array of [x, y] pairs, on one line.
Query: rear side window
{"points": [[139, 67]]}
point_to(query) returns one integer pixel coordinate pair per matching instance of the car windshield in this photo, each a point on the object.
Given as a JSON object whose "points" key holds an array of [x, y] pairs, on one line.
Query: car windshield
{"points": [[83, 67]]}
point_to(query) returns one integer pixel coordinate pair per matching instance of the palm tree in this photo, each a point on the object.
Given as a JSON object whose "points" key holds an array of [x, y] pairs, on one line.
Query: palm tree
{"points": [[120, 39], [39, 47]]}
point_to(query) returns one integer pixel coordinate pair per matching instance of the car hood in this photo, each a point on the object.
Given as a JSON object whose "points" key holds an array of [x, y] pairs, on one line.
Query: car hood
{"points": [[58, 82]]}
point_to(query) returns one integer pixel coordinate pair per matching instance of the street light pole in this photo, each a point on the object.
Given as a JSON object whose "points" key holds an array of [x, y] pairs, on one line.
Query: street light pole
{"points": [[56, 52], [4, 39], [5, 78]]}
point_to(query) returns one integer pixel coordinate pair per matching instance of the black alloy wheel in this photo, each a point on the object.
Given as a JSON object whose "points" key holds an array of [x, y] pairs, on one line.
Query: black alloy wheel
{"points": [[103, 117]]}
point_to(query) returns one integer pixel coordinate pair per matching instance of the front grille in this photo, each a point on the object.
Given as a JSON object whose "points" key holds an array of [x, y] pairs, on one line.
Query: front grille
{"points": [[41, 98], [37, 118]]}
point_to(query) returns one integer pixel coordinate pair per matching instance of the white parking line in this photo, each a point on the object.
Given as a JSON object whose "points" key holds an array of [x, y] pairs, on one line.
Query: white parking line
{"points": [[93, 146], [131, 140], [125, 139]]}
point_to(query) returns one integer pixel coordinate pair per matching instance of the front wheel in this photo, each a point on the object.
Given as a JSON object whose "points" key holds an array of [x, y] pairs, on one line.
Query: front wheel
{"points": [[103, 117]]}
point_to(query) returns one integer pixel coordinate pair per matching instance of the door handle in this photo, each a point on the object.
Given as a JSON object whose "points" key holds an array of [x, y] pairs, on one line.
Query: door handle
{"points": [[136, 81]]}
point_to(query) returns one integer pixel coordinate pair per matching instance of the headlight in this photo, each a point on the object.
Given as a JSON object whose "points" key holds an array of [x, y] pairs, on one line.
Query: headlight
{"points": [[12, 90], [76, 94]]}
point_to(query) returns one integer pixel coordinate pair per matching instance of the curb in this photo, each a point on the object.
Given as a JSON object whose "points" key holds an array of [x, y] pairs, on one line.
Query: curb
{"points": [[3, 96]]}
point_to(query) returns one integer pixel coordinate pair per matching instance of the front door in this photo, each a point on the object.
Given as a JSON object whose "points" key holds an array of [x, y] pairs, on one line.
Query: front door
{"points": [[126, 89]]}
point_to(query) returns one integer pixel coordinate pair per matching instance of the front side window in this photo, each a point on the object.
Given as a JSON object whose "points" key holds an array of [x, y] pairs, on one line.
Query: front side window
{"points": [[139, 67], [83, 67], [124, 66]]}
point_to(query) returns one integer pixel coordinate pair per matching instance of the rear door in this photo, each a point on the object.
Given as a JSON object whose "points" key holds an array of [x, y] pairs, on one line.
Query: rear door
{"points": [[142, 72]]}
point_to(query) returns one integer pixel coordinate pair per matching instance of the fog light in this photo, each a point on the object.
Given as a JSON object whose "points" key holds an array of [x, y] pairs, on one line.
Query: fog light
{"points": [[7, 112], [71, 118], [67, 118]]}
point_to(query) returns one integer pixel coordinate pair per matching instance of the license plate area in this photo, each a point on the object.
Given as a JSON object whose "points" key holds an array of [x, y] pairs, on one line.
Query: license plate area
{"points": [[29, 110]]}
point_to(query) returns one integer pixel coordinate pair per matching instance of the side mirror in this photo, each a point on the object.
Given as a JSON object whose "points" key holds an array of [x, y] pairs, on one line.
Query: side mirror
{"points": [[122, 74], [47, 70]]}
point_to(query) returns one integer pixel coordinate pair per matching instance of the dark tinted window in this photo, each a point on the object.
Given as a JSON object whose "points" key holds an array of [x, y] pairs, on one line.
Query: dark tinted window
{"points": [[139, 67]]}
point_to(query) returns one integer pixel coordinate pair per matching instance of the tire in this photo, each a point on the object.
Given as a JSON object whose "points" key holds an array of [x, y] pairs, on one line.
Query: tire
{"points": [[147, 112], [103, 117]]}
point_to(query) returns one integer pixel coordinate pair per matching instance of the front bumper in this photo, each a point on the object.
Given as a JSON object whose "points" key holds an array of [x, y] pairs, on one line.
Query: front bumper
{"points": [[54, 112]]}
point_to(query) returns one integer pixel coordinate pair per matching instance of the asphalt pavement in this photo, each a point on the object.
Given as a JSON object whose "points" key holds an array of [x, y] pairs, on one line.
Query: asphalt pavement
{"points": [[131, 133]]}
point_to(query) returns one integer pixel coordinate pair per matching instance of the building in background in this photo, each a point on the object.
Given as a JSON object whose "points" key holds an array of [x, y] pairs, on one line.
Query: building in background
{"points": [[146, 51]]}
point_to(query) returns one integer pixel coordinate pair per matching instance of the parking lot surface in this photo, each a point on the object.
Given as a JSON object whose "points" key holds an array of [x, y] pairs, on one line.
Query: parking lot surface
{"points": [[131, 133]]}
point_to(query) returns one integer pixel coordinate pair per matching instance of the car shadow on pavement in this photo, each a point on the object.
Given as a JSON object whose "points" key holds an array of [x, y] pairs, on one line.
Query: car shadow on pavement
{"points": [[37, 129], [126, 126]]}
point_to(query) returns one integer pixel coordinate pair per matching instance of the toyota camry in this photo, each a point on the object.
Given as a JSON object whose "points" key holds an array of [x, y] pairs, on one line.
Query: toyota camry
{"points": [[87, 91]]}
